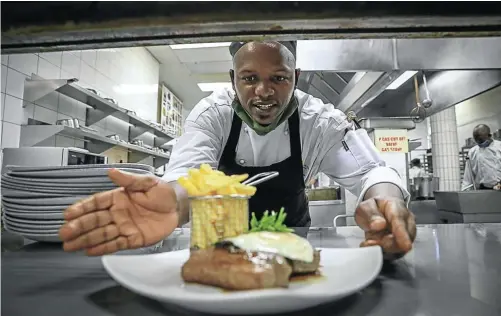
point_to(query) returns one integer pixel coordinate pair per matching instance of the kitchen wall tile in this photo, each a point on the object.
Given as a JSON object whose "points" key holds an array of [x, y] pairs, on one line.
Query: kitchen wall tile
{"points": [[47, 70], [5, 60], [62, 116], [24, 63], [79, 143], [49, 142], [49, 101], [4, 78], [11, 134], [2, 105], [28, 111], [66, 105], [87, 74], [62, 141], [45, 115], [13, 112], [89, 57], [15, 83], [76, 53], [103, 62], [54, 58], [71, 64]]}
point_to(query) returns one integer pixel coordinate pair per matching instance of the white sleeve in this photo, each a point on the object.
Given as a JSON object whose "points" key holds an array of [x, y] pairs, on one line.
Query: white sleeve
{"points": [[355, 163], [200, 143]]}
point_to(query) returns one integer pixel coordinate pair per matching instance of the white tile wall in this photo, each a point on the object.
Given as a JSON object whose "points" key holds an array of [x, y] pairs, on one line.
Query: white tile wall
{"points": [[445, 149], [130, 76]]}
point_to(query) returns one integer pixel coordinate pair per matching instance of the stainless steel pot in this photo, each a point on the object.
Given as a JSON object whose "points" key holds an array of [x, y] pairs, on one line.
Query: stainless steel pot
{"points": [[426, 186]]}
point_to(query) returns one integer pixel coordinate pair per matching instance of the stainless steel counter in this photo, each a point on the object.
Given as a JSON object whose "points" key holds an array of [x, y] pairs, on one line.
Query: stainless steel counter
{"points": [[453, 270]]}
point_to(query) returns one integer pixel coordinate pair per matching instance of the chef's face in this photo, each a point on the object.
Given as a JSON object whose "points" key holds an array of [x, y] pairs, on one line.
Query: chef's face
{"points": [[481, 134], [264, 79]]}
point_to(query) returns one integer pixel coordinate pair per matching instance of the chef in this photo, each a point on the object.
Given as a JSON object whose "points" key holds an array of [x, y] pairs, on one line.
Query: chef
{"points": [[264, 123], [483, 168]]}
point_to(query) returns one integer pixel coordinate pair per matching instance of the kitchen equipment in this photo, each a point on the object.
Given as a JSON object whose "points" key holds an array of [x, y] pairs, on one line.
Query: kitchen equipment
{"points": [[50, 156], [426, 186], [427, 102], [138, 142], [66, 122], [418, 113], [76, 123], [260, 178], [114, 137]]}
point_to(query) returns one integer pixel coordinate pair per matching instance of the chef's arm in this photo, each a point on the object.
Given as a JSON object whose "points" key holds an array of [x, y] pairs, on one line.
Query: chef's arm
{"points": [[383, 189]]}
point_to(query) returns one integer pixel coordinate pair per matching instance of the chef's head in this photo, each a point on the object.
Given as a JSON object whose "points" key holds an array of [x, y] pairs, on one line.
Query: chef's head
{"points": [[482, 135], [264, 77], [416, 162]]}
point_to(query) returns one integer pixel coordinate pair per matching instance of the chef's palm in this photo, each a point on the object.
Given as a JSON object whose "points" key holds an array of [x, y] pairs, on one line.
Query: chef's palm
{"points": [[140, 213]]}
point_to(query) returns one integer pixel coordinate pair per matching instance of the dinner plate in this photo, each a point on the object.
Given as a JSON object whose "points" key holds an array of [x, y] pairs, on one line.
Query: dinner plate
{"points": [[71, 181], [30, 208], [28, 194], [40, 222], [344, 271], [72, 173], [60, 185], [63, 201], [31, 227], [35, 215]]}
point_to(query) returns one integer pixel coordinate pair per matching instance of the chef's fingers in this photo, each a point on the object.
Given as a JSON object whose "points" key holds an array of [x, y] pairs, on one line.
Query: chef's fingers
{"points": [[411, 227], [99, 201], [368, 243], [84, 224], [397, 214], [132, 182], [92, 238], [368, 216], [112, 246]]}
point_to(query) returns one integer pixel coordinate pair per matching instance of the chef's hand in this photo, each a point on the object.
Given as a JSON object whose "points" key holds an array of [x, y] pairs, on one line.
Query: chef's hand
{"points": [[388, 223], [140, 213]]}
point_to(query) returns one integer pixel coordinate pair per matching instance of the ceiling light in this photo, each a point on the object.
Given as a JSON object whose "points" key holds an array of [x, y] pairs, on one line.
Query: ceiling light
{"points": [[401, 80], [199, 45], [209, 87]]}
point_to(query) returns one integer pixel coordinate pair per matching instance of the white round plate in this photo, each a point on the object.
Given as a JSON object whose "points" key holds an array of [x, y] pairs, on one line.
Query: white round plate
{"points": [[158, 276]]}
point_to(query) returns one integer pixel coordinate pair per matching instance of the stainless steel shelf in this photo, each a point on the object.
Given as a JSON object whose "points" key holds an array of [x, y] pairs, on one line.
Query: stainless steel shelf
{"points": [[31, 135], [37, 87]]}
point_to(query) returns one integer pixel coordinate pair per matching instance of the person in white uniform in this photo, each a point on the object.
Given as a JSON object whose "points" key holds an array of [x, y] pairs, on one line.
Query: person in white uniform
{"points": [[264, 123], [483, 167]]}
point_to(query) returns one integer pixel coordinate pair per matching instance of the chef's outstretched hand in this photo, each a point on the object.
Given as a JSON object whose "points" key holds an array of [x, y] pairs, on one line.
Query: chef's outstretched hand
{"points": [[388, 223], [140, 213]]}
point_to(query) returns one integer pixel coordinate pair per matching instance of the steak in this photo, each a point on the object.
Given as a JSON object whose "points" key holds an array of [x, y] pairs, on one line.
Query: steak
{"points": [[300, 267], [236, 270]]}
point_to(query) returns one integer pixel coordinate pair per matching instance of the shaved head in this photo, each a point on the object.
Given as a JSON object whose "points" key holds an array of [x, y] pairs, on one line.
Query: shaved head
{"points": [[481, 133], [252, 47]]}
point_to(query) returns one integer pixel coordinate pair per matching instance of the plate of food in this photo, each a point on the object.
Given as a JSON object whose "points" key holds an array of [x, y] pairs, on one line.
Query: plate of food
{"points": [[245, 267]]}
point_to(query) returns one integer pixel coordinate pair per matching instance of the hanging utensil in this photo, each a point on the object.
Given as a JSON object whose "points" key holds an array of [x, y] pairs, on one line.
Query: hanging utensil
{"points": [[418, 113], [427, 102], [260, 178]]}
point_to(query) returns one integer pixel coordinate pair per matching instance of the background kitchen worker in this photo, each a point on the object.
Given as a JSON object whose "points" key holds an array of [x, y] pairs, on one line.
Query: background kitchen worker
{"points": [[264, 123], [483, 167]]}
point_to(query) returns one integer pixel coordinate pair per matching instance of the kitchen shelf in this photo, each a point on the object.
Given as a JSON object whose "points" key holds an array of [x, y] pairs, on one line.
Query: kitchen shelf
{"points": [[100, 108], [32, 135]]}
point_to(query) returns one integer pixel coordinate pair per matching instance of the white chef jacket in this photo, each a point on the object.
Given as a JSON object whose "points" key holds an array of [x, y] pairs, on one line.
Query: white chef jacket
{"points": [[322, 131], [486, 166]]}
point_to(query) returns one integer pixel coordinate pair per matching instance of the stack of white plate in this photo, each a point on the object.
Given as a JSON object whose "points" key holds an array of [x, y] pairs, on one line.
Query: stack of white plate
{"points": [[34, 198]]}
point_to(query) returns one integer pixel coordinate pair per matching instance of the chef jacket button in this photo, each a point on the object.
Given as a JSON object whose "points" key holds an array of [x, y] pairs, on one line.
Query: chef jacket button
{"points": [[246, 130], [241, 161], [286, 132]]}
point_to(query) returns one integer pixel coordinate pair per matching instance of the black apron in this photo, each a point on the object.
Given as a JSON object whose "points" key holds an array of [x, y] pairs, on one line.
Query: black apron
{"points": [[286, 190]]}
